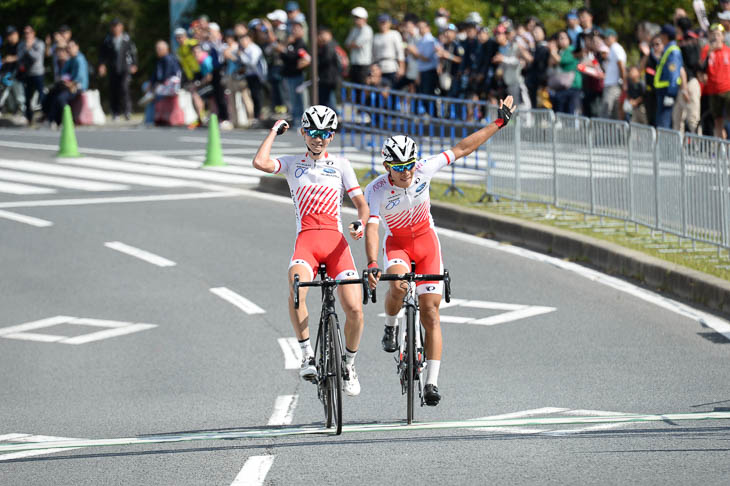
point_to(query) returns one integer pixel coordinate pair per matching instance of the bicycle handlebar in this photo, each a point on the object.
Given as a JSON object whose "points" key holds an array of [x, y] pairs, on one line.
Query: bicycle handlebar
{"points": [[415, 277], [330, 282]]}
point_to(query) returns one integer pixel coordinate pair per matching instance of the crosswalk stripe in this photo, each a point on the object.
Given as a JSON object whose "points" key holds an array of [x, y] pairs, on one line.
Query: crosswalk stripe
{"points": [[124, 177], [198, 175], [83, 185], [197, 163], [23, 189]]}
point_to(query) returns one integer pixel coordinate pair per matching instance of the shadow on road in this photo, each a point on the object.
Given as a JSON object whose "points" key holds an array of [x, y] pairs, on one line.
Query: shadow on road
{"points": [[674, 433]]}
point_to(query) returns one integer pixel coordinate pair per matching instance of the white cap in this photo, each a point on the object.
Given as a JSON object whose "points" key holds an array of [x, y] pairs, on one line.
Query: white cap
{"points": [[180, 31], [277, 14], [724, 15], [359, 12], [214, 26]]}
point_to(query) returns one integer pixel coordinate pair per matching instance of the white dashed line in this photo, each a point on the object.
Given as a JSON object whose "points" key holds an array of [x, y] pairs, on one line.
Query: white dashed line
{"points": [[141, 254], [292, 353], [21, 218], [283, 410], [237, 300], [254, 471]]}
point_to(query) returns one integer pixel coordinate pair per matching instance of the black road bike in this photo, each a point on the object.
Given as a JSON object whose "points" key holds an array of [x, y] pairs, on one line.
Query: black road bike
{"points": [[411, 356], [328, 348]]}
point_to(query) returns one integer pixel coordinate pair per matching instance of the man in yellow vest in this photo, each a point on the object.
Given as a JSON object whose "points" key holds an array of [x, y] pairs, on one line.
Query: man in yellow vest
{"points": [[667, 80]]}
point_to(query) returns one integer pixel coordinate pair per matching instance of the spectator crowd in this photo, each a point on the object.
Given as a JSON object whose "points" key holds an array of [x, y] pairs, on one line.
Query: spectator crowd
{"points": [[679, 75]]}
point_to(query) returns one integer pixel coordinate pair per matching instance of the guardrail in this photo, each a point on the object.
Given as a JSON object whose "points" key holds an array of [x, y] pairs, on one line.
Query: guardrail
{"points": [[657, 178]]}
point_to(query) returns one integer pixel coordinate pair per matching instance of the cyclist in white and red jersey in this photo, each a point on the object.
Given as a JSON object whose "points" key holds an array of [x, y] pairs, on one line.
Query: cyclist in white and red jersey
{"points": [[318, 181], [400, 200]]}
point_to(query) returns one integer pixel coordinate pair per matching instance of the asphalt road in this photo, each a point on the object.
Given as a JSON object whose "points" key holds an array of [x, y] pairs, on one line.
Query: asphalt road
{"points": [[209, 368]]}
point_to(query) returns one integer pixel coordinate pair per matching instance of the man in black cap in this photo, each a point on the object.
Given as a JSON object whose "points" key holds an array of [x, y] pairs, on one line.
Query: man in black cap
{"points": [[118, 58], [10, 50]]}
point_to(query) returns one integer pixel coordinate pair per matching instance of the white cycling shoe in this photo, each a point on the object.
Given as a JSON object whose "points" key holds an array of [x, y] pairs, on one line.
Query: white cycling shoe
{"points": [[307, 370], [350, 383]]}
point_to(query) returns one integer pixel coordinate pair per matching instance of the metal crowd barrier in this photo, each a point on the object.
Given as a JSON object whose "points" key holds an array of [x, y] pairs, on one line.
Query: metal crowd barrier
{"points": [[657, 178]]}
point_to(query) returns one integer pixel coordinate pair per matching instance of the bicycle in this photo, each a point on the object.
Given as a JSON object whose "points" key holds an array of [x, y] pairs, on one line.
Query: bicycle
{"points": [[411, 355], [328, 347]]}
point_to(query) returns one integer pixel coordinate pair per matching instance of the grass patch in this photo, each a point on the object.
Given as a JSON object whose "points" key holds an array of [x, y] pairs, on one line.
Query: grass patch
{"points": [[701, 257]]}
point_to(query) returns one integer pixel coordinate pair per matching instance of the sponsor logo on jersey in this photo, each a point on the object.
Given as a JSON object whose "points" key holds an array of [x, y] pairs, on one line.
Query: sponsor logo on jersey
{"points": [[379, 184], [431, 288], [421, 188], [300, 172], [329, 172], [392, 203], [350, 274]]}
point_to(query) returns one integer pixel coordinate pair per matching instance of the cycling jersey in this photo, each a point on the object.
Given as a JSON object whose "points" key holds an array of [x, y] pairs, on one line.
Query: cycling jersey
{"points": [[317, 188], [406, 214]]}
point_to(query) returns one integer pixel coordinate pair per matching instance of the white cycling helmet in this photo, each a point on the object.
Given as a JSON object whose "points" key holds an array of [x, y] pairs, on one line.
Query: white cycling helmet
{"points": [[474, 18], [319, 117], [399, 148]]}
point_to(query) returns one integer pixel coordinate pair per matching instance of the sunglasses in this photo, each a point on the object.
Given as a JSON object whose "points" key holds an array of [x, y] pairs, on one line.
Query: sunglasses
{"points": [[404, 166], [323, 134]]}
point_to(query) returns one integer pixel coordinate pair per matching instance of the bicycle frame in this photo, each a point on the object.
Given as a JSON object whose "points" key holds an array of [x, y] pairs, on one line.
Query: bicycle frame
{"points": [[328, 347], [411, 354]]}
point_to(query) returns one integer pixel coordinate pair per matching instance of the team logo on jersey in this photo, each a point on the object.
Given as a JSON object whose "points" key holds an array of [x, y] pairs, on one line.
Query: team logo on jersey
{"points": [[392, 204], [421, 187], [329, 171], [300, 172]]}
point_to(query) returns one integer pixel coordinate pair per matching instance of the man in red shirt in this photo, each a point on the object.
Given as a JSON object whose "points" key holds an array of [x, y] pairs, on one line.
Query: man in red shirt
{"points": [[716, 64]]}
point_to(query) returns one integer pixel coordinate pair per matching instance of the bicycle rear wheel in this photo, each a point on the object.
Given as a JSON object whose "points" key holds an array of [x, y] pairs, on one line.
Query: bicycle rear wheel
{"points": [[334, 375], [410, 358]]}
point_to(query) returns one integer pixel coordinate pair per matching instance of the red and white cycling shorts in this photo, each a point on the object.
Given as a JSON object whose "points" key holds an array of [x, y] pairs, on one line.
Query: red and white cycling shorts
{"points": [[326, 246], [424, 249]]}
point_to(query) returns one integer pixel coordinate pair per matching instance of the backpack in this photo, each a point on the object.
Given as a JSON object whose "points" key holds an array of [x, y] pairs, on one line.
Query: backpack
{"points": [[343, 62]]}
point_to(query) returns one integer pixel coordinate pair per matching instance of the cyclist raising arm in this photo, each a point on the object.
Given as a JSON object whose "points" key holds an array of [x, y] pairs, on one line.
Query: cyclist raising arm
{"points": [[401, 200], [317, 182]]}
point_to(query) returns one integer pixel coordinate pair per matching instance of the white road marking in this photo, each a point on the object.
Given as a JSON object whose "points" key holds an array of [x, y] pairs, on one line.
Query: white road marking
{"points": [[283, 410], [197, 175], [377, 427], [196, 163], [21, 218], [113, 329], [129, 328], [292, 353], [524, 413], [31, 326], [237, 300], [10, 175], [254, 471], [141, 254], [514, 312], [24, 189], [120, 199], [54, 148], [27, 438], [104, 175], [512, 316]]}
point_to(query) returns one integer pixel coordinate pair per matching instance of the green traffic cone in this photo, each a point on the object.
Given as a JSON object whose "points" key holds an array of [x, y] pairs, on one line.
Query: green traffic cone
{"points": [[213, 151], [68, 146]]}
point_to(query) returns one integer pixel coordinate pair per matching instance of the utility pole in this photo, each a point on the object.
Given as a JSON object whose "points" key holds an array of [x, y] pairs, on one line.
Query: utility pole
{"points": [[313, 46]]}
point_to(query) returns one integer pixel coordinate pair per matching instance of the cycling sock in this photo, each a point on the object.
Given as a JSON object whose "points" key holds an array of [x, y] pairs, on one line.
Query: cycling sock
{"points": [[306, 348], [391, 321], [432, 367], [350, 356]]}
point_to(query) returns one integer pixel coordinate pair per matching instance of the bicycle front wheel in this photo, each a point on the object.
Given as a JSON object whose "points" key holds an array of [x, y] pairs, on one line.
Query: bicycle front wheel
{"points": [[334, 374], [410, 358]]}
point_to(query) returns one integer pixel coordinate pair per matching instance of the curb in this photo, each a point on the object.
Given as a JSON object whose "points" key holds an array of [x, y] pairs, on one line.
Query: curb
{"points": [[669, 278]]}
